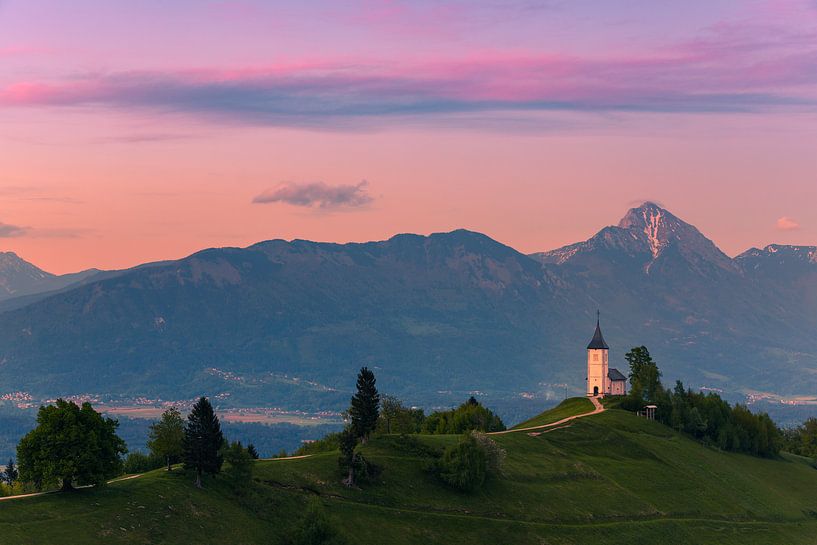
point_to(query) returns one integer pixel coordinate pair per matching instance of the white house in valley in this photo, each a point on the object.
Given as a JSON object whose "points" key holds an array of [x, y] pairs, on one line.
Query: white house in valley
{"points": [[601, 380]]}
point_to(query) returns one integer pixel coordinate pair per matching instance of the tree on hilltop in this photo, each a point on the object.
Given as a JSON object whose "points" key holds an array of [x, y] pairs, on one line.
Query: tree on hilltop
{"points": [[365, 405], [166, 439], [70, 444], [203, 441], [645, 378]]}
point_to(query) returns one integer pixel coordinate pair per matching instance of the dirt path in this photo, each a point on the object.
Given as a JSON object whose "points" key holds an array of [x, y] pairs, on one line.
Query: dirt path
{"points": [[598, 408], [35, 494]]}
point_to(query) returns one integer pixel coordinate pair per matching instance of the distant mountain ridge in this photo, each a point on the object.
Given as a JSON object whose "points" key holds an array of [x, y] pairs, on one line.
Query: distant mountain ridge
{"points": [[18, 277], [451, 312]]}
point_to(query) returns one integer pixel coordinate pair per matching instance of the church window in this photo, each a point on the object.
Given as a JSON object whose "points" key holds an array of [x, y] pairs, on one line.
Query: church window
{"points": [[595, 357]]}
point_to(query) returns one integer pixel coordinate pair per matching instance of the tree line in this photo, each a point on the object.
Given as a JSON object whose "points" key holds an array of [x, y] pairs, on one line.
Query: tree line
{"points": [[704, 416], [74, 445], [465, 465]]}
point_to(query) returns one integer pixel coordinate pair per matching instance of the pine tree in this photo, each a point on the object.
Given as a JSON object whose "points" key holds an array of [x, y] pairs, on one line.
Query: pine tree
{"points": [[365, 405], [166, 439], [10, 475], [203, 441], [252, 452]]}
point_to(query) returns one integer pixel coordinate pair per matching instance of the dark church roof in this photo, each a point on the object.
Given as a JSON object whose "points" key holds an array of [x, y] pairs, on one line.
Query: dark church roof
{"points": [[598, 341], [615, 375]]}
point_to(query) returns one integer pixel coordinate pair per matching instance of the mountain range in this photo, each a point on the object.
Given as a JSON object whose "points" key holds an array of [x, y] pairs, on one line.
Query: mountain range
{"points": [[288, 323]]}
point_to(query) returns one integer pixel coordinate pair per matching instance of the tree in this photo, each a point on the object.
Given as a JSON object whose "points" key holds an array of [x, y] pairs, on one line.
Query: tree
{"points": [[645, 378], [347, 442], [397, 418], [471, 415], [10, 474], [70, 444], [464, 465], [202, 441], [167, 437], [239, 470], [365, 405], [254, 453]]}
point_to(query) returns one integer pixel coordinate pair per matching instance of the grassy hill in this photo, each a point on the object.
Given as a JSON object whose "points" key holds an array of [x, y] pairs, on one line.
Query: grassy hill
{"points": [[609, 478], [568, 407]]}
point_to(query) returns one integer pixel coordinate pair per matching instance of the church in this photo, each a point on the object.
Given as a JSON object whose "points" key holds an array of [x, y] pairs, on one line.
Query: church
{"points": [[601, 380]]}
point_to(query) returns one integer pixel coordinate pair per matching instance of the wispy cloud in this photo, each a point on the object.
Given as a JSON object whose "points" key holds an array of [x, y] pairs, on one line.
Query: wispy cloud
{"points": [[9, 231], [787, 224], [317, 195], [728, 69]]}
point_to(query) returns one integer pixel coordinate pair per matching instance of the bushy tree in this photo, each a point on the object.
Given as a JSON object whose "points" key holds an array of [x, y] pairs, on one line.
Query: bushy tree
{"points": [[645, 378], [254, 453], [240, 464], [365, 407], [166, 437], [139, 462], [463, 466], [397, 418], [203, 441], [802, 440], [469, 416], [70, 444]]}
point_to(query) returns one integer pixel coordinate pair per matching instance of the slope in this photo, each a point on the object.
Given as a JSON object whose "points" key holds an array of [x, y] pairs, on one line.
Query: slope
{"points": [[609, 478]]}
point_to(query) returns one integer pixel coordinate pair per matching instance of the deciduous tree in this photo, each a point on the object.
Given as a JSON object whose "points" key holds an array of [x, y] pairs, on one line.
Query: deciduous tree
{"points": [[70, 444], [166, 439]]}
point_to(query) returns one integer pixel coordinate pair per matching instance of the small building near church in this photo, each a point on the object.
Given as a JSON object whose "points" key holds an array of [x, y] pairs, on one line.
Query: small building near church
{"points": [[601, 380]]}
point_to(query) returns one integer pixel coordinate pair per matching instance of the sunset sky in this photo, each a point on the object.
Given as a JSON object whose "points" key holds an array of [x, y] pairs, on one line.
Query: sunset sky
{"points": [[138, 131]]}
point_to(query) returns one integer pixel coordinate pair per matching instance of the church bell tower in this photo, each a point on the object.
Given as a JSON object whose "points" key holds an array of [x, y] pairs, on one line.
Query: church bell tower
{"points": [[597, 372]]}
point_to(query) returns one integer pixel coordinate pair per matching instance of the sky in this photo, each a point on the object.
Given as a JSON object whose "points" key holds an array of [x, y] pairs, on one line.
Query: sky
{"points": [[140, 131]]}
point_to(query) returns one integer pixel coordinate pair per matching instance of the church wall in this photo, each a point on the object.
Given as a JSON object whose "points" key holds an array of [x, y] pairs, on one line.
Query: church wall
{"points": [[596, 371]]}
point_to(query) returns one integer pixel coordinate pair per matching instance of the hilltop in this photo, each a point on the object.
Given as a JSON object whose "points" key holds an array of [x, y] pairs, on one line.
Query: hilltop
{"points": [[608, 478]]}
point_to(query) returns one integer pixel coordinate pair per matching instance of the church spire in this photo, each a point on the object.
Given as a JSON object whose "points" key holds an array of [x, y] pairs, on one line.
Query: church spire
{"points": [[597, 343]]}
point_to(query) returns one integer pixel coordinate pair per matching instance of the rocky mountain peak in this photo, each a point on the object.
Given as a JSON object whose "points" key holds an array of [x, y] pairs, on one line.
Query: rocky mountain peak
{"points": [[657, 226]]}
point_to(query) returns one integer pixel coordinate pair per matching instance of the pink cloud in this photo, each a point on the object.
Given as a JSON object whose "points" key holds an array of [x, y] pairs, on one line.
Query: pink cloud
{"points": [[786, 223], [731, 69]]}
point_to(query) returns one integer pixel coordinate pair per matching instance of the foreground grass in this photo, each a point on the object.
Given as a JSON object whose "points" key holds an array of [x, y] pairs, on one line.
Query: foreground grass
{"points": [[568, 407], [610, 478]]}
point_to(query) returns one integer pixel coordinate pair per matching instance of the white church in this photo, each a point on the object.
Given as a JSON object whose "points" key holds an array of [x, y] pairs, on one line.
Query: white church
{"points": [[602, 381]]}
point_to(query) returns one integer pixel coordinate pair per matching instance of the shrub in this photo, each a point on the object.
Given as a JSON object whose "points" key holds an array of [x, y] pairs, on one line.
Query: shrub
{"points": [[463, 466], [138, 462], [315, 528], [328, 443]]}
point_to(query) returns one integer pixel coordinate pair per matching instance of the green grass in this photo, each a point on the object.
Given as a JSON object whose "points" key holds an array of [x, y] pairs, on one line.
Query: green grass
{"points": [[568, 407], [607, 479]]}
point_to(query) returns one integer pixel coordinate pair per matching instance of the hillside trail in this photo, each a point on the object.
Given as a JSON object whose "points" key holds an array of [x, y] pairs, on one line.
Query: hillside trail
{"points": [[125, 478], [597, 408]]}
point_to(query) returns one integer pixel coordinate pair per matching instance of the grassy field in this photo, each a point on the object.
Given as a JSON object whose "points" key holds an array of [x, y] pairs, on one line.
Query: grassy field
{"points": [[607, 479], [568, 407]]}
